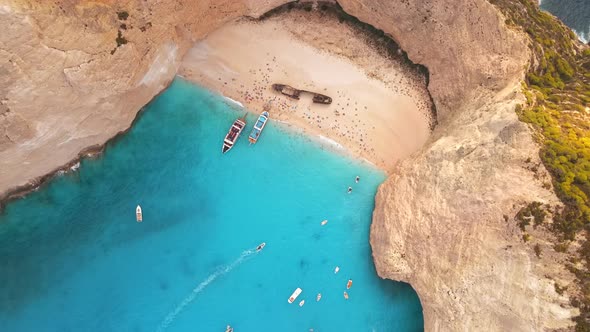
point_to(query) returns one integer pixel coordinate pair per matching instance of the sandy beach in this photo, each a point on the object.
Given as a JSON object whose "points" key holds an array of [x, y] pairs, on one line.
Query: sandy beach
{"points": [[380, 111]]}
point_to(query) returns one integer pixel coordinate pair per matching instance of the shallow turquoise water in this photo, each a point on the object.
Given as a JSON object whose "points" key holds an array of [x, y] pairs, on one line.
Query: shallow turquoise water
{"points": [[72, 257]]}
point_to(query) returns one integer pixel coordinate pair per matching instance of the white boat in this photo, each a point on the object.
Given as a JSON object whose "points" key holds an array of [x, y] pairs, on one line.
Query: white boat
{"points": [[301, 303], [258, 126], [345, 295], [261, 246], [294, 295], [336, 269], [138, 215], [319, 297], [324, 222]]}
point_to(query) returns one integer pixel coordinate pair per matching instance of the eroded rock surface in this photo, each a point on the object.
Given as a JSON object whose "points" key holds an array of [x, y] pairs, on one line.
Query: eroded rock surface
{"points": [[68, 82], [464, 44], [439, 219], [75, 73]]}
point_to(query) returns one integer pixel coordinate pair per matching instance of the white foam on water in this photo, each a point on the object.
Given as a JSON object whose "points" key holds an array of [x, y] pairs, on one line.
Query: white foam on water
{"points": [[331, 142], [583, 37], [369, 162], [75, 167], [193, 294], [234, 101]]}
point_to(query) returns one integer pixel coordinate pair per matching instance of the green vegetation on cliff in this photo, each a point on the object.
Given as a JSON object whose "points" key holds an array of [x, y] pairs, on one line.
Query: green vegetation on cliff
{"points": [[557, 89]]}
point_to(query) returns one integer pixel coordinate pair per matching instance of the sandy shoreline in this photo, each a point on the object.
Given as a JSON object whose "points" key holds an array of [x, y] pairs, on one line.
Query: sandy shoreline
{"points": [[380, 112], [375, 119]]}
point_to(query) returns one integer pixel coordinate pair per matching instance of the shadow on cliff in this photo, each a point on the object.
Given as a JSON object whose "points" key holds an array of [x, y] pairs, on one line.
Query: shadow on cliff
{"points": [[378, 39]]}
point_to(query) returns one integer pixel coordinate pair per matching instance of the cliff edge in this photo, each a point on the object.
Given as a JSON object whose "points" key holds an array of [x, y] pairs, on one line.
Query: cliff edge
{"points": [[443, 221], [68, 83]]}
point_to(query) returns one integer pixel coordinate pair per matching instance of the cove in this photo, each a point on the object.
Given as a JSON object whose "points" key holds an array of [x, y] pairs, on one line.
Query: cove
{"points": [[73, 258]]}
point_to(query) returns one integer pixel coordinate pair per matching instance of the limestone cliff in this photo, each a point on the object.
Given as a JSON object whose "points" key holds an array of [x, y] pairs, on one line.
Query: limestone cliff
{"points": [[441, 221], [69, 82], [75, 73], [439, 224]]}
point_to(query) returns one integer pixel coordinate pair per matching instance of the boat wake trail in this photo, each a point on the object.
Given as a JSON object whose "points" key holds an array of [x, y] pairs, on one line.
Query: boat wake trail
{"points": [[193, 294]]}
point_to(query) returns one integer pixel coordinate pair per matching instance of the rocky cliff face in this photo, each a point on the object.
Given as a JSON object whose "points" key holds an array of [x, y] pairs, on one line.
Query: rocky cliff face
{"points": [[68, 82], [439, 224], [467, 49], [439, 221], [74, 73]]}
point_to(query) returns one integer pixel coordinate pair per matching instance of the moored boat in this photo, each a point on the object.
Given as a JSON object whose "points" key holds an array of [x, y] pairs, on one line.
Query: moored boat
{"points": [[319, 297], [349, 284], [233, 134], [138, 214], [258, 126], [294, 295]]}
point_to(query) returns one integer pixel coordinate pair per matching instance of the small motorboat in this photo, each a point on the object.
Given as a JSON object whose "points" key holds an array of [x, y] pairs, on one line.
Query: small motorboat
{"points": [[357, 179], [233, 134], [258, 126], [229, 329], [301, 303], [138, 215], [349, 284], [294, 295], [349, 190], [324, 222], [336, 269], [261, 246], [319, 297], [345, 295]]}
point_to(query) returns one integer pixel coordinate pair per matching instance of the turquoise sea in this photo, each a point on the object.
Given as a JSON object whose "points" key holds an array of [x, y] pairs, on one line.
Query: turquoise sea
{"points": [[73, 258]]}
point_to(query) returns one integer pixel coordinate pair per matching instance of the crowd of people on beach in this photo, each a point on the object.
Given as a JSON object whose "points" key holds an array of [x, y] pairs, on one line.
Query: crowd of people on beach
{"points": [[345, 118], [259, 93]]}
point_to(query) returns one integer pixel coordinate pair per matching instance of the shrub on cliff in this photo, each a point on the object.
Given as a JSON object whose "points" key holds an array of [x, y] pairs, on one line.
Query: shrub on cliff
{"points": [[557, 91]]}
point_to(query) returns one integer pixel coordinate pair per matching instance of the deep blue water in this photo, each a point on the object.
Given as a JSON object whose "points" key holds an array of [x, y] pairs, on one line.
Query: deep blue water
{"points": [[73, 258], [574, 13]]}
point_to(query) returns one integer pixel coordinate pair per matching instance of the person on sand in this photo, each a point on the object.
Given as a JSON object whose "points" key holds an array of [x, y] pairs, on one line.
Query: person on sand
{"points": [[349, 190]]}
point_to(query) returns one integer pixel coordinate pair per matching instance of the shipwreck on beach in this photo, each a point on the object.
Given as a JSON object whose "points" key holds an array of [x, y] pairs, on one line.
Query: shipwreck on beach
{"points": [[291, 92]]}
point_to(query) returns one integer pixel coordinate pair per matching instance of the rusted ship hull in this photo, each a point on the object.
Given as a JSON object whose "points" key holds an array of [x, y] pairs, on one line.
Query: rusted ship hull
{"points": [[293, 93]]}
